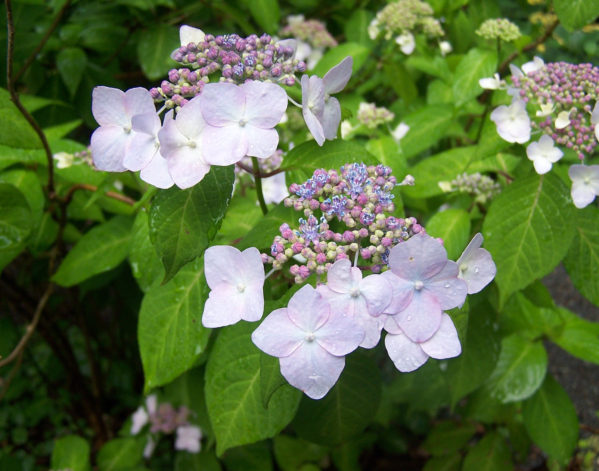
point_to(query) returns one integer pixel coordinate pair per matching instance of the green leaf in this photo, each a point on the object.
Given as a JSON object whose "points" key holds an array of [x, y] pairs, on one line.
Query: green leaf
{"points": [[145, 264], [99, 250], [524, 232], [70, 452], [347, 408], [71, 63], [253, 457], [453, 226], [475, 65], [582, 261], [574, 14], [170, 332], [266, 13], [427, 125], [550, 419], [444, 463], [270, 377], [479, 355], [578, 337], [154, 50], [203, 461], [15, 130], [333, 56], [448, 437], [15, 223], [27, 182], [301, 161], [520, 314], [356, 27], [183, 222], [520, 369], [243, 214], [490, 454], [435, 66], [291, 453], [121, 453], [233, 392], [386, 150]]}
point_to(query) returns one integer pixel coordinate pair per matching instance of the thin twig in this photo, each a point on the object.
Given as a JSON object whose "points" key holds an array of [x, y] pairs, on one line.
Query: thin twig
{"points": [[259, 174], [10, 85], [31, 327], [109, 194], [13, 372], [530, 46], [42, 43]]}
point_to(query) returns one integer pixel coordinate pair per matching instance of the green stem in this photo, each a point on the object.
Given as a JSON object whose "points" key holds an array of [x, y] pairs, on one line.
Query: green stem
{"points": [[258, 181]]}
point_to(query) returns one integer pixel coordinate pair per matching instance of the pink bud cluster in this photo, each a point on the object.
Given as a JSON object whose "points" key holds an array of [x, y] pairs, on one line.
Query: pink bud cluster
{"points": [[359, 197], [564, 88], [237, 59]]}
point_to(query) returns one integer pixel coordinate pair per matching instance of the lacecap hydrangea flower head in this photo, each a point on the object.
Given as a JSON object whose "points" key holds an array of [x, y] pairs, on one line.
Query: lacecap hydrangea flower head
{"points": [[410, 286], [225, 102]]}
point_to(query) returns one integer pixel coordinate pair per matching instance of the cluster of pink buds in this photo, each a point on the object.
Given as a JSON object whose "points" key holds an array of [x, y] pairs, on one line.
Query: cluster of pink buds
{"points": [[237, 59], [564, 95], [314, 32], [359, 197]]}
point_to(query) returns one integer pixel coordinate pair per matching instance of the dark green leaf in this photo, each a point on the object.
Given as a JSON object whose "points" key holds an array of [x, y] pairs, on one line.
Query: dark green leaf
{"points": [[520, 369], [427, 125], [291, 453], [203, 461], [263, 233], [170, 332], [154, 50], [15, 223], [582, 261], [266, 13], [233, 392], [270, 377], [490, 454], [550, 419], [27, 183], [356, 27], [444, 463], [524, 232], [347, 408], [448, 437], [578, 337], [99, 250], [145, 264], [333, 56], [71, 63], [121, 453], [183, 222]]}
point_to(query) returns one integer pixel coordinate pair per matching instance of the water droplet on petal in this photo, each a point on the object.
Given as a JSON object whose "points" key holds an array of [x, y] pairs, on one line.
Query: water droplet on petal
{"points": [[447, 285], [409, 318], [476, 270]]}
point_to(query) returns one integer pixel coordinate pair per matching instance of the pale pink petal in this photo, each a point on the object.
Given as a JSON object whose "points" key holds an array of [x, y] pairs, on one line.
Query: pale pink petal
{"points": [[144, 141], [340, 302], [187, 167], [261, 143], [189, 34], [340, 335], [372, 329], [378, 293], [138, 101], [265, 103], [224, 306], [108, 107], [225, 145], [402, 292], [421, 318], [152, 404], [331, 117], [139, 419], [582, 195], [222, 103], [253, 267], [308, 309], [418, 258], [222, 265], [156, 173], [449, 290], [336, 79], [190, 121], [108, 148], [188, 438], [391, 325], [277, 335], [312, 369], [445, 343], [341, 278], [477, 269], [406, 355]]}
